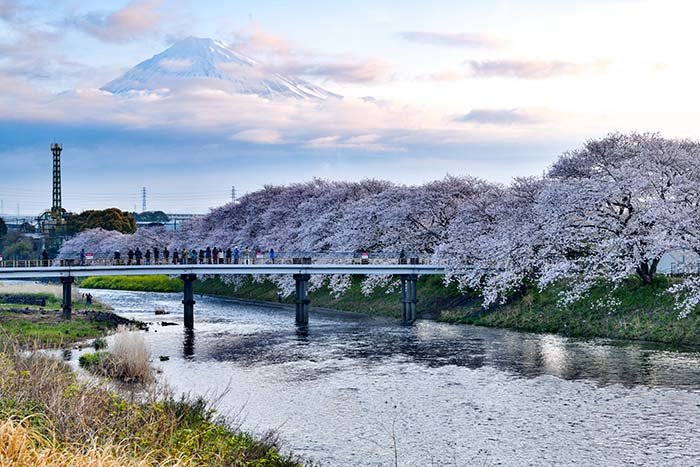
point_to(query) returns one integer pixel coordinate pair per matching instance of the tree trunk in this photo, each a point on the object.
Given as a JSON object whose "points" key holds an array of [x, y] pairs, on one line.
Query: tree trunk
{"points": [[647, 271]]}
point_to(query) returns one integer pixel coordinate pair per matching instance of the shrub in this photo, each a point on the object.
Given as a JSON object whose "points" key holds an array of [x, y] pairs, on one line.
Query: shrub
{"points": [[97, 362], [99, 343]]}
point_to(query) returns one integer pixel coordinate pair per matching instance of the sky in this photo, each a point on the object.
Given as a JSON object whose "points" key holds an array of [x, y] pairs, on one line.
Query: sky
{"points": [[493, 89]]}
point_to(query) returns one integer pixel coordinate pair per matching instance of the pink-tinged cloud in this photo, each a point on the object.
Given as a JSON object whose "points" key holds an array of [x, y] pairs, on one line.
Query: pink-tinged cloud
{"points": [[458, 39], [135, 20], [259, 136], [283, 57]]}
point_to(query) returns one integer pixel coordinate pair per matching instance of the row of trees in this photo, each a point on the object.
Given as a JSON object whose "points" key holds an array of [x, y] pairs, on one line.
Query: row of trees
{"points": [[604, 212]]}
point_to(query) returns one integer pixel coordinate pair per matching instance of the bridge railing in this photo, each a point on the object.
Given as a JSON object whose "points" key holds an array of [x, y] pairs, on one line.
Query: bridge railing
{"points": [[281, 259]]}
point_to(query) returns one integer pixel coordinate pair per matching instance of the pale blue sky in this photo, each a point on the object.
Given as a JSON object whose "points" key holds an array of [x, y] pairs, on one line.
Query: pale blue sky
{"points": [[495, 89]]}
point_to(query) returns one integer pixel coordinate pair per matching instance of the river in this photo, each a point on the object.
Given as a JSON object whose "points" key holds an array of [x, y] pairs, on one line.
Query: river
{"points": [[360, 391]]}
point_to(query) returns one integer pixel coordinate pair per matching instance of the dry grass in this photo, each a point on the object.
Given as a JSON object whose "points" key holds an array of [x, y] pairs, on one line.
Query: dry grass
{"points": [[20, 444], [130, 357], [12, 288], [49, 417]]}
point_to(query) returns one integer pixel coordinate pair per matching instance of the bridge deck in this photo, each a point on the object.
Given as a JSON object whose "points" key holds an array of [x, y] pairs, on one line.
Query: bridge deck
{"points": [[37, 272]]}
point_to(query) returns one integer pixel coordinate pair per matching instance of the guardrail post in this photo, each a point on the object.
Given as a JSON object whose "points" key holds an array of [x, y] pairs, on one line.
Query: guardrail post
{"points": [[409, 298], [302, 298], [67, 304], [188, 301]]}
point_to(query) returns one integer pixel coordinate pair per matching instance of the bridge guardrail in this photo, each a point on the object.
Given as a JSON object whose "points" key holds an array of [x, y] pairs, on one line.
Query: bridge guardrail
{"points": [[68, 262]]}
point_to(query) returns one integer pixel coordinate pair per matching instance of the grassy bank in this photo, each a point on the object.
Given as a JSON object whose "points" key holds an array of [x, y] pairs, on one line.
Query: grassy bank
{"points": [[44, 325], [50, 417], [633, 311]]}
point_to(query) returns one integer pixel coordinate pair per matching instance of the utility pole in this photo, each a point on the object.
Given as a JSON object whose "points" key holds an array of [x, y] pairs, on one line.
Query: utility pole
{"points": [[233, 193], [143, 199]]}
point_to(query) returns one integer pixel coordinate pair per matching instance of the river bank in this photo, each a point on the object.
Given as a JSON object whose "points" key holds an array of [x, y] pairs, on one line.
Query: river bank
{"points": [[49, 416], [633, 311], [30, 313]]}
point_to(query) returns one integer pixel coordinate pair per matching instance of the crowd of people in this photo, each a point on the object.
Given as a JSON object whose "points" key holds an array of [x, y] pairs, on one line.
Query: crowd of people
{"points": [[209, 255]]}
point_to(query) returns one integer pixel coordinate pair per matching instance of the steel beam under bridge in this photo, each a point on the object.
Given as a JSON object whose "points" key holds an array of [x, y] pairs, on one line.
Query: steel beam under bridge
{"points": [[37, 272]]}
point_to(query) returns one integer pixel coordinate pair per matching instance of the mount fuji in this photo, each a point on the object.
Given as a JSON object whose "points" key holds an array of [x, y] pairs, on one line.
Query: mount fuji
{"points": [[212, 63]]}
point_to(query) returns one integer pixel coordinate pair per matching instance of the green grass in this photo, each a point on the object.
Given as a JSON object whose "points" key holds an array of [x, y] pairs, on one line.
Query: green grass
{"points": [[142, 283], [632, 311], [49, 329]]}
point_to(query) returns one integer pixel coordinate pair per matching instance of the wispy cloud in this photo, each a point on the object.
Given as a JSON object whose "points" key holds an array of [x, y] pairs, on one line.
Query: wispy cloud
{"points": [[259, 136], [341, 70], [456, 39], [133, 21], [501, 117], [518, 69], [529, 69], [282, 56]]}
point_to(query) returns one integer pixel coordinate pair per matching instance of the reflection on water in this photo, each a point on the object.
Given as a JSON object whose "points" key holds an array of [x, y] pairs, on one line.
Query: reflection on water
{"points": [[343, 389], [188, 343]]}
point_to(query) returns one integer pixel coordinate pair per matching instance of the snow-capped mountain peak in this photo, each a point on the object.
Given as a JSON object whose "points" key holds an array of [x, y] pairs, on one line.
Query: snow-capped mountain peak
{"points": [[212, 63]]}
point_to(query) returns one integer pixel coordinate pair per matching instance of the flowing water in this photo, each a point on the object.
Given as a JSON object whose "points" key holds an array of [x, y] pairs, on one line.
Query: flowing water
{"points": [[359, 391]]}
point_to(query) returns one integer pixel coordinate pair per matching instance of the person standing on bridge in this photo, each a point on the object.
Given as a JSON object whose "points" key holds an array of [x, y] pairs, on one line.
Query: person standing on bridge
{"points": [[117, 258], [201, 256], [130, 257], [44, 258], [166, 255], [228, 255], [156, 255], [138, 255], [176, 256], [215, 255], [148, 256], [236, 255], [183, 256], [82, 256], [207, 254], [273, 255], [193, 256]]}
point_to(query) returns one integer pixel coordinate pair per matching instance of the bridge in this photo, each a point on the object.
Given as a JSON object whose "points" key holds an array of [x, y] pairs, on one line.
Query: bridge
{"points": [[188, 274]]}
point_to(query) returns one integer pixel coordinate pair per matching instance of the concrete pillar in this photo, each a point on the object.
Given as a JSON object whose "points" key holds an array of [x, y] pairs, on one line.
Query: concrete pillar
{"points": [[188, 301], [409, 298], [67, 304], [302, 298]]}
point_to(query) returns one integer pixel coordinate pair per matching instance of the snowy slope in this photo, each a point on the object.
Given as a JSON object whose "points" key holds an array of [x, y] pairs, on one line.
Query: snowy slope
{"points": [[212, 63]]}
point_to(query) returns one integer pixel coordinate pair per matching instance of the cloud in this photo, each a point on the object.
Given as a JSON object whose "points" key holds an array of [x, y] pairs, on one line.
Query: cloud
{"points": [[258, 135], [281, 56], [529, 69], [340, 70], [458, 39], [9, 9], [500, 117], [135, 20]]}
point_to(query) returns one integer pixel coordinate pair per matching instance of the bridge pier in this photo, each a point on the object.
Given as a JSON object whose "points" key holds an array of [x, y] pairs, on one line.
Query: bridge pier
{"points": [[409, 298], [67, 305], [302, 298], [188, 301]]}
